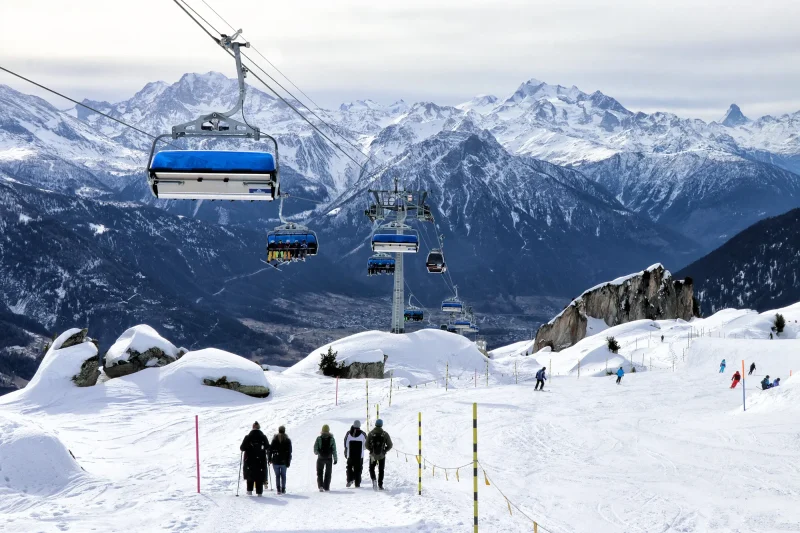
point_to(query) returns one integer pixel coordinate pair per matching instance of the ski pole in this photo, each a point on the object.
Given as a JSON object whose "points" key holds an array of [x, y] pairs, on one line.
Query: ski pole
{"points": [[239, 474]]}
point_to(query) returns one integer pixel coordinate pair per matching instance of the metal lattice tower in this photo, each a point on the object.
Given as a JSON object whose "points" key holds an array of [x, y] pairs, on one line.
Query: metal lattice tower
{"points": [[395, 206]]}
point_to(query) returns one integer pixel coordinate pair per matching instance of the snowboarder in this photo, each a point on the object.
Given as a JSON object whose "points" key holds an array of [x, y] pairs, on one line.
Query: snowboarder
{"points": [[777, 382], [540, 378], [378, 443], [766, 383], [325, 450], [722, 367], [752, 369], [620, 373], [735, 379], [255, 447], [281, 458], [354, 446]]}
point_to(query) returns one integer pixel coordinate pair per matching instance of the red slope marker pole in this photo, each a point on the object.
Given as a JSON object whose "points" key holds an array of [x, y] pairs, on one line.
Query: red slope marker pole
{"points": [[197, 449]]}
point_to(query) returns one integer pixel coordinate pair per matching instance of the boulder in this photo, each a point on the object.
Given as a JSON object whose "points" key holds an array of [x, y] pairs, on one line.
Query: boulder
{"points": [[76, 338], [152, 357], [256, 391], [358, 370], [88, 374], [651, 294]]}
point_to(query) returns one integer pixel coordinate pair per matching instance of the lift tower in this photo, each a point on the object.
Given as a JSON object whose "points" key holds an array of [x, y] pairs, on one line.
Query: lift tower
{"points": [[394, 207]]}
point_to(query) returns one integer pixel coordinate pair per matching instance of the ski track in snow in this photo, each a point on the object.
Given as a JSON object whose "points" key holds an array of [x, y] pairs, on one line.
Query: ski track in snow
{"points": [[666, 451]]}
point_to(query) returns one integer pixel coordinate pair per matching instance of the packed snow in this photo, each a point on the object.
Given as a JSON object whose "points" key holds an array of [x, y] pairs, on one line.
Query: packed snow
{"points": [[138, 339], [211, 363], [668, 449]]}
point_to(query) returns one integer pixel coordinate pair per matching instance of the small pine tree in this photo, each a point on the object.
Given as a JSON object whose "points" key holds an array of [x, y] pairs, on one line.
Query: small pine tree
{"points": [[780, 323], [328, 364], [613, 345]]}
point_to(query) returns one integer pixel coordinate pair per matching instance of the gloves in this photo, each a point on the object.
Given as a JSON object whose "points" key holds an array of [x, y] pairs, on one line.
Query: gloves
{"points": [[336, 461]]}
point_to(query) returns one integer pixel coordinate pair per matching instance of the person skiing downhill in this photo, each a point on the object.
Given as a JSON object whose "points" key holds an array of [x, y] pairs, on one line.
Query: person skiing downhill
{"points": [[540, 378], [281, 458], [752, 369], [722, 367], [378, 443], [255, 447], [620, 373], [735, 379], [354, 445], [325, 450]]}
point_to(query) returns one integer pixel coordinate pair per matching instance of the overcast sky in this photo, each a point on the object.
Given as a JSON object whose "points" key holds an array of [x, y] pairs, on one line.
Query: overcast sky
{"points": [[693, 58]]}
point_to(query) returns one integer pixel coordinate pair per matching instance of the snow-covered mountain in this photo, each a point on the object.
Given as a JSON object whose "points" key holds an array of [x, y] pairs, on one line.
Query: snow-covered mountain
{"points": [[758, 268]]}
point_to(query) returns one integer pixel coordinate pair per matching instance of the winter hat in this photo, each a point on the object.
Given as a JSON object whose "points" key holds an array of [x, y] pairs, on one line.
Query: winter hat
{"points": [[357, 424], [379, 423], [326, 429], [281, 429], [256, 426]]}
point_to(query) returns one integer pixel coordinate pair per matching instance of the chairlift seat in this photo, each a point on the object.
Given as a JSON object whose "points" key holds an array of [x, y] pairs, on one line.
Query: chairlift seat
{"points": [[391, 242], [452, 307], [213, 175]]}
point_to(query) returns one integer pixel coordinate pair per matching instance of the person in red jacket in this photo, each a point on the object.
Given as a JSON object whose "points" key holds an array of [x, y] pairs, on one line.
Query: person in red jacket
{"points": [[735, 379]]}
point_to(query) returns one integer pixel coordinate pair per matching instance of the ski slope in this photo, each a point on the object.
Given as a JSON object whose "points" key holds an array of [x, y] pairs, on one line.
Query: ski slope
{"points": [[667, 450]]}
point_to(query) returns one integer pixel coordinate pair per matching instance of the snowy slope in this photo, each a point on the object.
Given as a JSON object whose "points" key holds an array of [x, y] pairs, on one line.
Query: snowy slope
{"points": [[619, 458]]}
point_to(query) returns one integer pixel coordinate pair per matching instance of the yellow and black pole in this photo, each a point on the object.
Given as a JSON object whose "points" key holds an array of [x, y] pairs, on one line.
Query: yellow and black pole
{"points": [[475, 463], [419, 457], [391, 384]]}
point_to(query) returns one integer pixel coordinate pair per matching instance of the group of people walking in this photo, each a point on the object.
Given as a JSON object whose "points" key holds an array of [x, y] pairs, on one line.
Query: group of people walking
{"points": [[258, 453], [737, 377]]}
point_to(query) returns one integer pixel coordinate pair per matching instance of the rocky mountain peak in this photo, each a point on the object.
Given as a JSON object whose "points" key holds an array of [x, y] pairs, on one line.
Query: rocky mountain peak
{"points": [[734, 117]]}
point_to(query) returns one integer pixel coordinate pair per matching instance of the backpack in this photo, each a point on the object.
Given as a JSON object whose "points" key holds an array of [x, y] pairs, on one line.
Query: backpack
{"points": [[325, 448], [378, 443]]}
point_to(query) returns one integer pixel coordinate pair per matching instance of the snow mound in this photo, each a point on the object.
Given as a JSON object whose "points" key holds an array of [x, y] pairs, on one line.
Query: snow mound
{"points": [[138, 339], [33, 460], [210, 363], [516, 349], [783, 398], [417, 357], [58, 366]]}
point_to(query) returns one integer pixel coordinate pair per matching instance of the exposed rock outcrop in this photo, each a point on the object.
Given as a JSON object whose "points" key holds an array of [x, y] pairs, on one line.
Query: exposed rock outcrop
{"points": [[251, 390], [137, 361], [651, 294], [358, 370], [90, 371]]}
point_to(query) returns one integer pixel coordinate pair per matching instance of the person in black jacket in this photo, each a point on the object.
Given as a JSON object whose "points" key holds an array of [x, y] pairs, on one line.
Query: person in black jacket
{"points": [[354, 446], [281, 458], [255, 447], [752, 369]]}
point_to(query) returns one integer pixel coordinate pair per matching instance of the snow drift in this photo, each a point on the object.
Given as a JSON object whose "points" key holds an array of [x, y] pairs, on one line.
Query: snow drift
{"points": [[210, 363], [58, 366], [417, 357], [32, 459]]}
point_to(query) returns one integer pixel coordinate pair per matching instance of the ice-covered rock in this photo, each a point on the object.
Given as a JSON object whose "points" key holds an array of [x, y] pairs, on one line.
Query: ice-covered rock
{"points": [[651, 294], [66, 364], [138, 348], [216, 368]]}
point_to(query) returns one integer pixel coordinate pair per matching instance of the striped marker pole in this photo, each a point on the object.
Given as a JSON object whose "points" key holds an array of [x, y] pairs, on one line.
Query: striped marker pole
{"points": [[419, 457], [744, 402], [475, 464], [391, 382]]}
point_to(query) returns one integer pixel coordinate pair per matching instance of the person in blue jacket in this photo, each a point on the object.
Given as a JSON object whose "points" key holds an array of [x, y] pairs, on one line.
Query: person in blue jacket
{"points": [[777, 382], [722, 367], [766, 383], [620, 373], [540, 377]]}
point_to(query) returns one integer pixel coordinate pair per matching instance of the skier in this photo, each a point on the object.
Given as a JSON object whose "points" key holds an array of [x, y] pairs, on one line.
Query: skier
{"points": [[620, 373], [255, 447], [662, 338], [752, 369], [281, 458], [777, 382], [766, 383], [770, 336], [378, 443], [540, 378], [354, 445], [722, 367], [735, 379], [325, 450]]}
